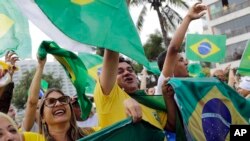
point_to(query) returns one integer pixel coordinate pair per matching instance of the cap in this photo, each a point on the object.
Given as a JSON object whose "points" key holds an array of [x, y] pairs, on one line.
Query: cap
{"points": [[245, 83]]}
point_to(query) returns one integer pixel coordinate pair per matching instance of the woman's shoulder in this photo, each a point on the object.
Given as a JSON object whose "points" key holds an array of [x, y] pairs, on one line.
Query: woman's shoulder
{"points": [[32, 136]]}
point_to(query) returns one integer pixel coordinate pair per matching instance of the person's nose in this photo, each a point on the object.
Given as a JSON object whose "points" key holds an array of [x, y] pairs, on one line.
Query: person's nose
{"points": [[9, 137], [186, 62], [58, 103]]}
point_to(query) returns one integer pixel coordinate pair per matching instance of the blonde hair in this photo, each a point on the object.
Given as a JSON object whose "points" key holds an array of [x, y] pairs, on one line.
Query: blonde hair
{"points": [[73, 132], [3, 115]]}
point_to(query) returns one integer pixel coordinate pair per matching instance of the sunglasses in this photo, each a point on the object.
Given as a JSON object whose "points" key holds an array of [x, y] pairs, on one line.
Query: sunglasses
{"points": [[51, 102]]}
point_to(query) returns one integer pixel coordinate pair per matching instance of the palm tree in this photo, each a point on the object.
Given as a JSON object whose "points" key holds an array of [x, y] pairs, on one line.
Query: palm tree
{"points": [[168, 17]]}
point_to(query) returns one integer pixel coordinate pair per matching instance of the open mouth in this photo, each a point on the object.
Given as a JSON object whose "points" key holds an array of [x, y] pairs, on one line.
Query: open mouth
{"points": [[59, 112], [128, 79]]}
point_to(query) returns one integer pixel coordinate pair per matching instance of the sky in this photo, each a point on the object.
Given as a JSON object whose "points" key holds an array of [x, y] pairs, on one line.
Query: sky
{"points": [[151, 24]]}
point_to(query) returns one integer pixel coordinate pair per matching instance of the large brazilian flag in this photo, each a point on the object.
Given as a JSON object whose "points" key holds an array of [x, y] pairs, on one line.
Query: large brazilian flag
{"points": [[208, 48], [100, 23], [208, 107], [73, 67], [14, 30]]}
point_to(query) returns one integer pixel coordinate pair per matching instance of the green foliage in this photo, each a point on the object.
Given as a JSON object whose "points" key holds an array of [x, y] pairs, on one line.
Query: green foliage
{"points": [[20, 93], [154, 46]]}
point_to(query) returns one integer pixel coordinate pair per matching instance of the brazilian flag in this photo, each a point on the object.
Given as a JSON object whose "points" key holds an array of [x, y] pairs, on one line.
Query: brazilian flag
{"points": [[208, 48], [244, 68], [208, 107], [93, 63], [14, 30], [74, 68]]}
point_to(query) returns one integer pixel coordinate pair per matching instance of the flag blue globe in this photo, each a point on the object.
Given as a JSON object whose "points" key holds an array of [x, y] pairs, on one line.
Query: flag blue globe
{"points": [[216, 120], [204, 48]]}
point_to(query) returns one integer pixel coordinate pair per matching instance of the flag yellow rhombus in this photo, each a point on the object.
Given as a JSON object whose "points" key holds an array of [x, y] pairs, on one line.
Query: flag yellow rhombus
{"points": [[6, 24], [204, 48], [93, 72], [82, 2], [195, 120]]}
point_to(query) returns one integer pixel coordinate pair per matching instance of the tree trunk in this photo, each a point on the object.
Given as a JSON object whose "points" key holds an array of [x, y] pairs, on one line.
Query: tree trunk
{"points": [[162, 23]]}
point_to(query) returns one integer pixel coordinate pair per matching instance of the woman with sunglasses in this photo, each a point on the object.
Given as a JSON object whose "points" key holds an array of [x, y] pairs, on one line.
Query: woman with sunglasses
{"points": [[57, 121]]}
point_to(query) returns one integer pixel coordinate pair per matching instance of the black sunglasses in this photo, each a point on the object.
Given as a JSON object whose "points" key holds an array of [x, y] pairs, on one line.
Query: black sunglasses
{"points": [[51, 102]]}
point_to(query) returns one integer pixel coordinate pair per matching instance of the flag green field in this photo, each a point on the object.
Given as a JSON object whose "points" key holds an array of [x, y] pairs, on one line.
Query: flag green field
{"points": [[208, 48], [74, 68], [100, 23], [153, 67], [14, 30], [208, 107], [244, 68], [126, 130]]}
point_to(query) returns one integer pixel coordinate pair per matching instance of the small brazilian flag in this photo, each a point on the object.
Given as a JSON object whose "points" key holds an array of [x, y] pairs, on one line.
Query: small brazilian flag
{"points": [[93, 63], [208, 108], [208, 48], [244, 68]]}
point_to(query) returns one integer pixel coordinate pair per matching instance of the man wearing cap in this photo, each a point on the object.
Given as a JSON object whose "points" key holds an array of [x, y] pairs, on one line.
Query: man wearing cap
{"points": [[244, 87]]}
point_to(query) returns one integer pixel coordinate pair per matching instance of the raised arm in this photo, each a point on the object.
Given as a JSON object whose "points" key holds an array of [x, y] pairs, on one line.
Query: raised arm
{"points": [[6, 89], [195, 12], [109, 71], [32, 103]]}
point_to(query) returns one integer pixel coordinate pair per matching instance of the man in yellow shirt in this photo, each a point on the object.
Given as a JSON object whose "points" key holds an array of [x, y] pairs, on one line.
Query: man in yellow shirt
{"points": [[118, 80], [111, 94]]}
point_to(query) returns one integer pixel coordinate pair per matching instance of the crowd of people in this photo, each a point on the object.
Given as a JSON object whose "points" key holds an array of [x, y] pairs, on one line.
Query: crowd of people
{"points": [[55, 116]]}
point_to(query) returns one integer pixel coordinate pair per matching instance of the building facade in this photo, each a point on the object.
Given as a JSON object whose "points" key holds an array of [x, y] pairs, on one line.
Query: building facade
{"points": [[230, 18], [50, 67]]}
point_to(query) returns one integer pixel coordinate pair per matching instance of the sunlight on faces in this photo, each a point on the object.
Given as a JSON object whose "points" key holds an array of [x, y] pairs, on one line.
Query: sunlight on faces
{"points": [[126, 77], [56, 111], [8, 132], [180, 69]]}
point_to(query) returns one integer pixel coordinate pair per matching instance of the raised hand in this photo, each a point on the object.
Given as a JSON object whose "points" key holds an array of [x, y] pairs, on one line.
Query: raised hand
{"points": [[41, 62], [11, 58], [197, 11]]}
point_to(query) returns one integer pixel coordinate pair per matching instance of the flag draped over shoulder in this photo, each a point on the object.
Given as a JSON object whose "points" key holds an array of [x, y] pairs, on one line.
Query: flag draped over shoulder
{"points": [[93, 63], [101, 23], [126, 130], [244, 68], [75, 69], [14, 30], [208, 107], [209, 48]]}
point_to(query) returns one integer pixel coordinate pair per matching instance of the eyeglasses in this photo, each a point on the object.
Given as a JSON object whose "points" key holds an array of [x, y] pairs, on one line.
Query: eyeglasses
{"points": [[51, 102]]}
